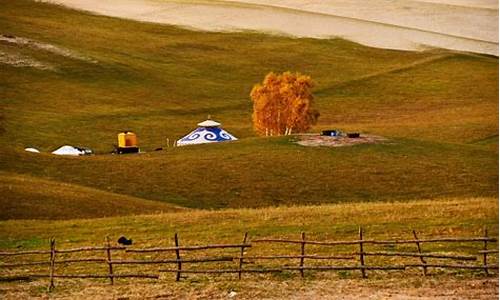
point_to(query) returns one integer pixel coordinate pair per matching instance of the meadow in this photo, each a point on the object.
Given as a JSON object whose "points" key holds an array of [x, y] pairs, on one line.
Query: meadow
{"points": [[446, 218], [71, 77], [437, 108]]}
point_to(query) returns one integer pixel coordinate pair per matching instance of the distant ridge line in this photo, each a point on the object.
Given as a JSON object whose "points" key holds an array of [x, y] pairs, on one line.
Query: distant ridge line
{"points": [[355, 19]]}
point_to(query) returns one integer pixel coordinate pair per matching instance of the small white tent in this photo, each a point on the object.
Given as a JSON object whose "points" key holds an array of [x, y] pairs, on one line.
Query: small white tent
{"points": [[32, 150], [68, 150], [207, 132]]}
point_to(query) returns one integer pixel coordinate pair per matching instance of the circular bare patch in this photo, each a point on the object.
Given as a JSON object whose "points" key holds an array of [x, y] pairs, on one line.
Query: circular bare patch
{"points": [[337, 141]]}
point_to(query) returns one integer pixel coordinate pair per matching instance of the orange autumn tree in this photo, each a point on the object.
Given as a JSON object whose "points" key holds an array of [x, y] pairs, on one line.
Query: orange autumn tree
{"points": [[282, 104]]}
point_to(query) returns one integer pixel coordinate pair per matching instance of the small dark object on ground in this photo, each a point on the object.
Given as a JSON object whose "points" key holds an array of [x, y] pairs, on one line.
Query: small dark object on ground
{"points": [[353, 135], [122, 150], [159, 149], [124, 241], [85, 150]]}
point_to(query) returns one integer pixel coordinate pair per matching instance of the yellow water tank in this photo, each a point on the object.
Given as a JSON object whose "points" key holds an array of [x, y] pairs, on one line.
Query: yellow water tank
{"points": [[127, 139]]}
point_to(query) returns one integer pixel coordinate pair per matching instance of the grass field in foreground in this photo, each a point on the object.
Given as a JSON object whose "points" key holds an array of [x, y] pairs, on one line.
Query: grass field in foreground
{"points": [[445, 218], [385, 288], [438, 109], [457, 217]]}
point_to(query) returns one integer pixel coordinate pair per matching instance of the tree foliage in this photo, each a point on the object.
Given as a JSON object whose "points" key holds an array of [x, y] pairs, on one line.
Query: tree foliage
{"points": [[282, 104]]}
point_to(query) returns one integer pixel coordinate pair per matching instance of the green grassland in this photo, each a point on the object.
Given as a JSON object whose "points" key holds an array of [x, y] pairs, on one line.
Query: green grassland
{"points": [[438, 109], [256, 173], [453, 216], [25, 197]]}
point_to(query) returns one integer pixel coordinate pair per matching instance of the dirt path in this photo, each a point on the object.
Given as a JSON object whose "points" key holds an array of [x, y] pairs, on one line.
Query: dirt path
{"points": [[406, 25], [409, 66]]}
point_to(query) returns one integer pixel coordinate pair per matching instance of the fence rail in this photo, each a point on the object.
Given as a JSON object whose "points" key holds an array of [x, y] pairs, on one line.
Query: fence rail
{"points": [[355, 242], [188, 248], [294, 262]]}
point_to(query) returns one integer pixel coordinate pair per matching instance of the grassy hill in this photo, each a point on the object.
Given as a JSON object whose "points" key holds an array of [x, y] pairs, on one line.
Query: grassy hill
{"points": [[439, 110], [256, 172], [25, 197]]}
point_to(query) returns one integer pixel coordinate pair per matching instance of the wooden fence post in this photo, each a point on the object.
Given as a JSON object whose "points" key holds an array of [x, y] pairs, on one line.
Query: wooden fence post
{"points": [[52, 263], [302, 253], [110, 265], [241, 255], [485, 253], [361, 253], [424, 268], [178, 255]]}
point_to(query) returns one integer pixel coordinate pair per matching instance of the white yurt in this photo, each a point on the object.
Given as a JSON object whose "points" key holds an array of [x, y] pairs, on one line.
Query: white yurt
{"points": [[207, 132]]}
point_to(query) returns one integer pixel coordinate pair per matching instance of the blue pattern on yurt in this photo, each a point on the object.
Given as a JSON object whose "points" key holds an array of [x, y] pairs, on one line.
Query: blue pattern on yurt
{"points": [[206, 135]]}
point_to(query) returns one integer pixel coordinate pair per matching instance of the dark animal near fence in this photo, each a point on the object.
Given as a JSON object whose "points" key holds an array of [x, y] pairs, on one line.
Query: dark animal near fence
{"points": [[124, 241]]}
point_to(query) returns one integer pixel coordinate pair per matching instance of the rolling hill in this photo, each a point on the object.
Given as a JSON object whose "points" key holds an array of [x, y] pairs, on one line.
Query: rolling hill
{"points": [[25, 197], [70, 77]]}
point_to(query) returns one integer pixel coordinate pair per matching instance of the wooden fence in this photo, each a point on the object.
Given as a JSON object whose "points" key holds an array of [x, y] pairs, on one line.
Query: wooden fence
{"points": [[241, 260]]}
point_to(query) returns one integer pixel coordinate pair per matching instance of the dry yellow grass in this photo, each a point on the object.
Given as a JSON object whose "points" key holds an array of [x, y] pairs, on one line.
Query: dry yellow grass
{"points": [[431, 218], [387, 288], [454, 216]]}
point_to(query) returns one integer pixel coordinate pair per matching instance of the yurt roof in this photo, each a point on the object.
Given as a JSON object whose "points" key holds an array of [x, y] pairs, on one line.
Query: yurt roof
{"points": [[209, 123], [207, 132]]}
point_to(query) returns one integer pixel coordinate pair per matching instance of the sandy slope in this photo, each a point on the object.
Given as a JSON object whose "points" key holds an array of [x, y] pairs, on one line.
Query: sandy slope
{"points": [[404, 24], [466, 20]]}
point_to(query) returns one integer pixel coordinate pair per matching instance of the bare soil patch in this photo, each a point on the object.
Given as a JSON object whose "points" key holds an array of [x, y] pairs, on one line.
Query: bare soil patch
{"points": [[338, 141]]}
